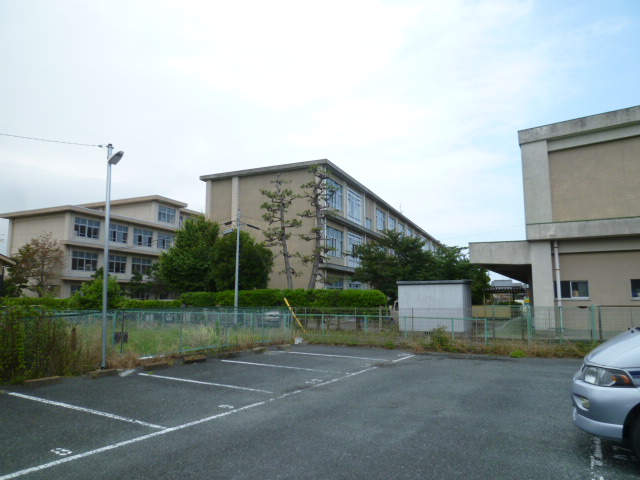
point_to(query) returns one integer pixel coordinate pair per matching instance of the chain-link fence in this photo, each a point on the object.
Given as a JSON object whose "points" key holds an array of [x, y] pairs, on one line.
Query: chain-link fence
{"points": [[154, 332]]}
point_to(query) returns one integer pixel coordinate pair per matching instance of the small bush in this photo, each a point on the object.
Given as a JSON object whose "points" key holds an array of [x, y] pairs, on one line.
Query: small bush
{"points": [[517, 354]]}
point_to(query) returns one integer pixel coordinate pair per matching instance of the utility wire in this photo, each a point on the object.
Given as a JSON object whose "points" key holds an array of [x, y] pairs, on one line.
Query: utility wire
{"points": [[52, 141]]}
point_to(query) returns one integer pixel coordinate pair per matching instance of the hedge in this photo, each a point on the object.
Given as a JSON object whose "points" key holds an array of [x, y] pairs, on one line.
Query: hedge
{"points": [[298, 298], [53, 303], [130, 304]]}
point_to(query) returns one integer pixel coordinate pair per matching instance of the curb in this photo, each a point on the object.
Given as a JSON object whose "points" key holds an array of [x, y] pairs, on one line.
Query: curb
{"points": [[194, 359], [156, 366], [39, 382], [102, 373]]}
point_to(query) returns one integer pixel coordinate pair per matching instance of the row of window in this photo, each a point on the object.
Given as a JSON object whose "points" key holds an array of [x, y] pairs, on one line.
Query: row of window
{"points": [[355, 208], [88, 262], [87, 228], [335, 241], [579, 289], [338, 284]]}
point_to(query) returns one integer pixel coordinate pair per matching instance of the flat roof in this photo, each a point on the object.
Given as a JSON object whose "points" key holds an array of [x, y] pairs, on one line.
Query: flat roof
{"points": [[591, 123]]}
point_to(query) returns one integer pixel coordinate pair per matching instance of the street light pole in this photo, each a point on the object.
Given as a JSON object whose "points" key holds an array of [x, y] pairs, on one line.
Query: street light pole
{"points": [[235, 296], [111, 160]]}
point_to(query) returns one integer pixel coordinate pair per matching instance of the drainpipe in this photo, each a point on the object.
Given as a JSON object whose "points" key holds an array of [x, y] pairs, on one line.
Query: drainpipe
{"points": [[556, 257]]}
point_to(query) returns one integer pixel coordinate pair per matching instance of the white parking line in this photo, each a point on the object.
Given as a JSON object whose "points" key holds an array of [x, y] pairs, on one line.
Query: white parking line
{"points": [[338, 356], [181, 427], [122, 444], [279, 366], [206, 383], [83, 409]]}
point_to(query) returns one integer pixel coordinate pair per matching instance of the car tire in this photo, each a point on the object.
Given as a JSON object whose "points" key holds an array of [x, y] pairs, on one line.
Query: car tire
{"points": [[634, 437]]}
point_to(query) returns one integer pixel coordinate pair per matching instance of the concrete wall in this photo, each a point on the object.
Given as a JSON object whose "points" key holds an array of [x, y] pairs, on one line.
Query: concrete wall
{"points": [[596, 181]]}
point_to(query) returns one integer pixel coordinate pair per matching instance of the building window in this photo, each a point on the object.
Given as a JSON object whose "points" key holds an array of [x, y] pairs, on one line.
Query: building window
{"points": [[353, 241], [392, 223], [367, 223], [401, 228], [84, 261], [409, 232], [334, 195], [166, 214], [334, 284], [140, 265], [576, 289], [380, 220], [355, 285], [87, 228], [118, 233], [165, 241], [117, 264], [334, 241], [75, 288], [354, 206], [142, 237], [635, 289]]}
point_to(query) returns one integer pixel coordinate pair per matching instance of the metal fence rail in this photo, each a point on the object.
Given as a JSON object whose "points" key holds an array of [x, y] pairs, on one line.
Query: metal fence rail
{"points": [[155, 332]]}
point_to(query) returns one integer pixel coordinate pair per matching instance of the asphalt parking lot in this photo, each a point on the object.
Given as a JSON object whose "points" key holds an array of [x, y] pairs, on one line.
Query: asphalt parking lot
{"points": [[311, 412]]}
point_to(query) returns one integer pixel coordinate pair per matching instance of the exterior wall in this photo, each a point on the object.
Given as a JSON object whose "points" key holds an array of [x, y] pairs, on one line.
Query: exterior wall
{"points": [[243, 188], [147, 212], [609, 273], [596, 181], [425, 306], [60, 221], [23, 230], [582, 192]]}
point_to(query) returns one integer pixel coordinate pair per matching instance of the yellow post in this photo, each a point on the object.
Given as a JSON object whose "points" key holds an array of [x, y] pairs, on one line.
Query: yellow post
{"points": [[294, 315]]}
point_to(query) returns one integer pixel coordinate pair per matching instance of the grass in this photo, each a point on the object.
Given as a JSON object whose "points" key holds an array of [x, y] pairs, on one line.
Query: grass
{"points": [[84, 345]]}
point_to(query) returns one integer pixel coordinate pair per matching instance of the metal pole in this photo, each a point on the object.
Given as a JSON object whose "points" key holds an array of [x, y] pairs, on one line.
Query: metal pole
{"points": [[235, 298], [105, 268]]}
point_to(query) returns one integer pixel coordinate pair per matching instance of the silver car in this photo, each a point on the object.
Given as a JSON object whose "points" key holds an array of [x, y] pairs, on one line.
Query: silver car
{"points": [[606, 391]]}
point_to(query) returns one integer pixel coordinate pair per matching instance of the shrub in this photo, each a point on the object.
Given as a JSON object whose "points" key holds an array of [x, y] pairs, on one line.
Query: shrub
{"points": [[34, 344], [199, 299], [52, 303], [131, 303]]}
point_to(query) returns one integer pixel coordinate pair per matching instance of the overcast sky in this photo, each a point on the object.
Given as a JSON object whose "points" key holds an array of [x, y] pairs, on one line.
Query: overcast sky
{"points": [[421, 101]]}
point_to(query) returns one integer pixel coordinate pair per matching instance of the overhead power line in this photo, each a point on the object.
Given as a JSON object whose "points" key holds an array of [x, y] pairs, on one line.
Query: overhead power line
{"points": [[52, 141]]}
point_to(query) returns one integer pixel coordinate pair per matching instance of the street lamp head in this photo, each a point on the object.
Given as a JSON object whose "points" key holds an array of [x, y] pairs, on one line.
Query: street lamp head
{"points": [[115, 158]]}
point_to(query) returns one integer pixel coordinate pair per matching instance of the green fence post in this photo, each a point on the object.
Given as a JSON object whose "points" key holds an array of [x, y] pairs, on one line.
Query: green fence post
{"points": [[486, 332], [180, 334], [529, 325]]}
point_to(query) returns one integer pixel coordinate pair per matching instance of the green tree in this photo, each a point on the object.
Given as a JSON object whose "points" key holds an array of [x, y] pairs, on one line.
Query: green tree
{"points": [[279, 230], [316, 192], [89, 297], [256, 262], [188, 266], [452, 263], [395, 257], [391, 258], [38, 266], [137, 287]]}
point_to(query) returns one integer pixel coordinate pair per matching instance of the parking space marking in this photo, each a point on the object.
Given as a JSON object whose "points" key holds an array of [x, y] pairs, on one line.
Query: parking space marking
{"points": [[86, 410], [206, 383], [278, 366], [124, 443], [338, 356], [404, 357], [173, 429]]}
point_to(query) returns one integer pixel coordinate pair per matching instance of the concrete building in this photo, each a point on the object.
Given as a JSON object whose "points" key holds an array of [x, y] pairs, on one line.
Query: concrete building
{"points": [[140, 229], [582, 209], [357, 215]]}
